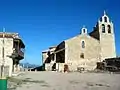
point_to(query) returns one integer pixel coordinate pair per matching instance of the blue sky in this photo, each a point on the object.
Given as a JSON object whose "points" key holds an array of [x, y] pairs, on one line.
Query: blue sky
{"points": [[44, 23]]}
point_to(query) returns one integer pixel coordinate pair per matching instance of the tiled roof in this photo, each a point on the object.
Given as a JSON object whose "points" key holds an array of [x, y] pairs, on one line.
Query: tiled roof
{"points": [[9, 35]]}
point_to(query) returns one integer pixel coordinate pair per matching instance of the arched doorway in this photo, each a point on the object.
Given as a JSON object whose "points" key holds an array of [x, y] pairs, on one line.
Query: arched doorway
{"points": [[66, 69]]}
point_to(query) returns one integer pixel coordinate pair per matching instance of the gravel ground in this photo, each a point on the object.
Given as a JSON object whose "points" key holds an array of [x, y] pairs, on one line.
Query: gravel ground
{"points": [[64, 81]]}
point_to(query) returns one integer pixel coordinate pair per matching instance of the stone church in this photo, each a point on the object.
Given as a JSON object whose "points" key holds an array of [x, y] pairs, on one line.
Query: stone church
{"points": [[83, 50]]}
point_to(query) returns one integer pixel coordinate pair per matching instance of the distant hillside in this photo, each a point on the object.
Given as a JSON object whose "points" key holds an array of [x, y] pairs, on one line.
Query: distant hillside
{"points": [[28, 65]]}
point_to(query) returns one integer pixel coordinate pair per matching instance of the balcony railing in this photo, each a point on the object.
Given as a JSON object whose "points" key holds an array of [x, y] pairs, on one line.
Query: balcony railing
{"points": [[18, 53], [21, 53]]}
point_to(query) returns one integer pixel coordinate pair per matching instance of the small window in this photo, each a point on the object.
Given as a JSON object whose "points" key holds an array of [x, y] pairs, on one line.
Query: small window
{"points": [[101, 19], [83, 44], [83, 30], [109, 29], [82, 55], [105, 19], [103, 28]]}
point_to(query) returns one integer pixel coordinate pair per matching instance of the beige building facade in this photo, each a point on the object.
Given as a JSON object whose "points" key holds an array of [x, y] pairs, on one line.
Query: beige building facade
{"points": [[83, 50], [11, 52]]}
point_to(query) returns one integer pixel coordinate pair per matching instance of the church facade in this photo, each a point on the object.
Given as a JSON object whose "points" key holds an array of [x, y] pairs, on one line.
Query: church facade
{"points": [[83, 50]]}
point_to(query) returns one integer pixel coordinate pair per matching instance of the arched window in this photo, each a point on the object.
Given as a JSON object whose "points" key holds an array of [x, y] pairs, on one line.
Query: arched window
{"points": [[101, 19], [82, 55], [83, 44], [109, 28], [103, 28], [105, 19], [83, 30]]}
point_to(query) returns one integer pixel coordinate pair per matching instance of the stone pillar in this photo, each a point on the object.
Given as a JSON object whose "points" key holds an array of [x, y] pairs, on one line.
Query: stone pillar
{"points": [[55, 60], [14, 70], [57, 66], [18, 67], [55, 57]]}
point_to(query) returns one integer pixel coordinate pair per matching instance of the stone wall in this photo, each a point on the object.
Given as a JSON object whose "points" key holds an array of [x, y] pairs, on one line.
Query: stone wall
{"points": [[74, 49], [107, 46], [8, 46], [44, 56]]}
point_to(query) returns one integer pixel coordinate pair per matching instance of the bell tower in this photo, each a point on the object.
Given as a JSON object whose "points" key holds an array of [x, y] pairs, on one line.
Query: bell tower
{"points": [[106, 37]]}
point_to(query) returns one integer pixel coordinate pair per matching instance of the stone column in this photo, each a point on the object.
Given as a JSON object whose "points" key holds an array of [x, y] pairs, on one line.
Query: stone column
{"points": [[18, 67], [57, 67], [55, 61], [14, 68], [55, 57]]}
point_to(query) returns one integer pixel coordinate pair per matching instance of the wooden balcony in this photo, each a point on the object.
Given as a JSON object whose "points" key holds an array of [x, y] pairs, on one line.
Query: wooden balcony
{"points": [[18, 54], [18, 49]]}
